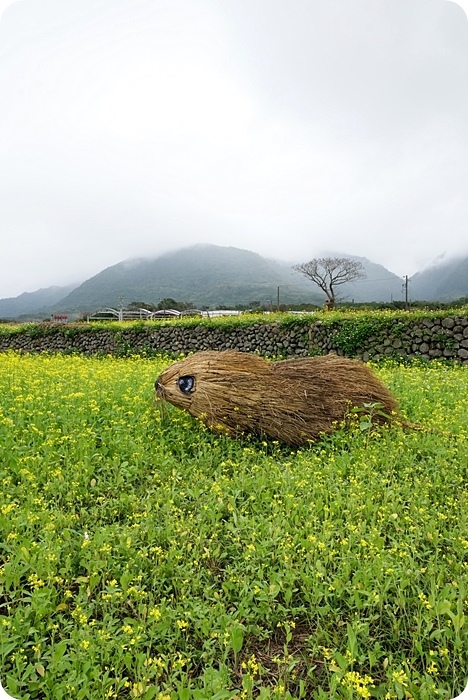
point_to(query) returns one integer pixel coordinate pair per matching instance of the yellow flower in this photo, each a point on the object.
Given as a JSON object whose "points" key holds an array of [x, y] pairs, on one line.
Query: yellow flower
{"points": [[155, 613], [361, 684], [400, 677]]}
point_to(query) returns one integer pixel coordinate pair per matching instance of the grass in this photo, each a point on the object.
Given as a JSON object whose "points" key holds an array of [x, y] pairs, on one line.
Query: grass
{"points": [[144, 557]]}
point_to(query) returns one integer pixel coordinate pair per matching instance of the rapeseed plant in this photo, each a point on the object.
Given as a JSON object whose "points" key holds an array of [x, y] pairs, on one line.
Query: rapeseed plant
{"points": [[143, 556]]}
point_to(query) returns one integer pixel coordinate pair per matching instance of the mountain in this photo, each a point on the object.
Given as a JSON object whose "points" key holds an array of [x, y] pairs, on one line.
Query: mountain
{"points": [[33, 303], [213, 276], [443, 281], [205, 275], [210, 275]]}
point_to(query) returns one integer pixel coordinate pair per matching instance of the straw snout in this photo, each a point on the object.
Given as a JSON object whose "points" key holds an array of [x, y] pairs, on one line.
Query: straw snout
{"points": [[176, 386]]}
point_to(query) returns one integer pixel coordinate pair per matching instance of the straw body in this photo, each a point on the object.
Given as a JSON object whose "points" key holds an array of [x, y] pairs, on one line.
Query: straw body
{"points": [[294, 401]]}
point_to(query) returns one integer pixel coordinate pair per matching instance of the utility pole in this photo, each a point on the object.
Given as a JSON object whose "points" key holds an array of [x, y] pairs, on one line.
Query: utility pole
{"points": [[277, 299], [121, 308], [405, 286]]}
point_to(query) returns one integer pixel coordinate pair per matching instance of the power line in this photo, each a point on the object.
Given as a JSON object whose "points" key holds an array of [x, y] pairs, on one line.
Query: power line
{"points": [[382, 279]]}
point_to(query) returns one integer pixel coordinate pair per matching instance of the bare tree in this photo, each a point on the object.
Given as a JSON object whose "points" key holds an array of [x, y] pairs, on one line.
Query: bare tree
{"points": [[329, 273]]}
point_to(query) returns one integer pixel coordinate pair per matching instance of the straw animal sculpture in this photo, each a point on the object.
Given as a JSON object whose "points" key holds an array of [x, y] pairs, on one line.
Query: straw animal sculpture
{"points": [[294, 401]]}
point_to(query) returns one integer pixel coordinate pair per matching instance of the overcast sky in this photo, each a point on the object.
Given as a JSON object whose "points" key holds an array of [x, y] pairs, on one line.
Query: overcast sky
{"points": [[290, 128]]}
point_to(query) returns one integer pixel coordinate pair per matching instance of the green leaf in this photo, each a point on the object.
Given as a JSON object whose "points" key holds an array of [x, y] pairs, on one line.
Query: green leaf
{"points": [[5, 648], [443, 607], [125, 579], [236, 639]]}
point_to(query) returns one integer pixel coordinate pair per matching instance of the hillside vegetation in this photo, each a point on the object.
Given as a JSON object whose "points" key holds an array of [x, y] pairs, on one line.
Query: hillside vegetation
{"points": [[202, 275]]}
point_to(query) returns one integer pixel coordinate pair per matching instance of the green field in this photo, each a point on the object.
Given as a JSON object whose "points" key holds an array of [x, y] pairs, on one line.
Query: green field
{"points": [[144, 557]]}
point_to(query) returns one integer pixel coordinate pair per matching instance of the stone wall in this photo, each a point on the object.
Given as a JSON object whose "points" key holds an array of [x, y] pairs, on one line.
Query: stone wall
{"points": [[374, 339], [366, 337], [269, 339]]}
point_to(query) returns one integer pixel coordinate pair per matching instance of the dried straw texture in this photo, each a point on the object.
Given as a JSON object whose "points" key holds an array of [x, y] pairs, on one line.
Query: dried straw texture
{"points": [[294, 401]]}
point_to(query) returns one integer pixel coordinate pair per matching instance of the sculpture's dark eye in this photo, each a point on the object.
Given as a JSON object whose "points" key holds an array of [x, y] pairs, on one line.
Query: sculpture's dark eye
{"points": [[186, 384]]}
